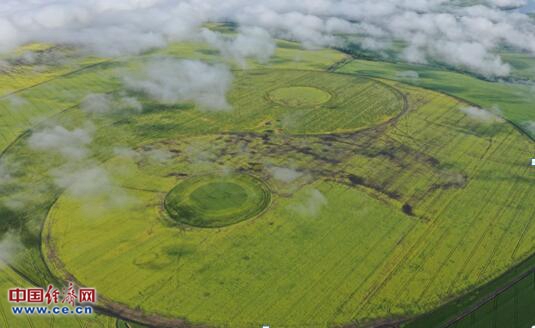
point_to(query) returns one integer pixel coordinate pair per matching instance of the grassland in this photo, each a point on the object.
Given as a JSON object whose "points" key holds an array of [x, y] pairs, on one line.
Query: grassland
{"points": [[504, 301], [513, 100], [51, 95], [395, 199], [378, 261]]}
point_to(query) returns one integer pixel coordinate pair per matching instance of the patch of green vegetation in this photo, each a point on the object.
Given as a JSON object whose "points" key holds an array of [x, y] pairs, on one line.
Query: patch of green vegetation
{"points": [[299, 96], [217, 201], [252, 111], [522, 64], [21, 75], [305, 102], [513, 100], [507, 301], [289, 55]]}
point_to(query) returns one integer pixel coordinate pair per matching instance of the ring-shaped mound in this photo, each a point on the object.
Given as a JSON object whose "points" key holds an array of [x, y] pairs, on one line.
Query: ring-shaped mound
{"points": [[299, 96], [309, 102], [212, 201]]}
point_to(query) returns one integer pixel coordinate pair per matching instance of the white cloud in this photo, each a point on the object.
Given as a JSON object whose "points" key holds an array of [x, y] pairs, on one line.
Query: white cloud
{"points": [[284, 174], [91, 182], [530, 127], [9, 35], [130, 103], [170, 80], [158, 155], [83, 182], [98, 103], [508, 3], [200, 152], [126, 152], [4, 66], [433, 30], [470, 56], [408, 75], [251, 42], [312, 204], [5, 175], [16, 101], [71, 144], [482, 115], [10, 245]]}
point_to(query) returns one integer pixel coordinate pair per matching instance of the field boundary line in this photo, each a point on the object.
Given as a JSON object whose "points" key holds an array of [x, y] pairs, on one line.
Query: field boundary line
{"points": [[490, 297], [471, 103], [7, 95]]}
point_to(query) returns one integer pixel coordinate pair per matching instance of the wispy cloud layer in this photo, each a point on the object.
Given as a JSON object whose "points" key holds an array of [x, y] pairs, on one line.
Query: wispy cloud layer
{"points": [[169, 80], [311, 205], [483, 115], [71, 144], [251, 42], [432, 30]]}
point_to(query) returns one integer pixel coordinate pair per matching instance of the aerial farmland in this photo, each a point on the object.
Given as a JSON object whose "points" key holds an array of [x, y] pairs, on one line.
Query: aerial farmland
{"points": [[302, 164]]}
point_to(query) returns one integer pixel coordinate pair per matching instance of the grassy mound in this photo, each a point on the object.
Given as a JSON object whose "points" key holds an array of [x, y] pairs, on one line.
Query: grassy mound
{"points": [[311, 102], [299, 96], [217, 201]]}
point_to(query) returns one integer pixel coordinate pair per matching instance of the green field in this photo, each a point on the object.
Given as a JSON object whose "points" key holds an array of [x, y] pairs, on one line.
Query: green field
{"points": [[507, 301], [513, 100], [321, 199]]}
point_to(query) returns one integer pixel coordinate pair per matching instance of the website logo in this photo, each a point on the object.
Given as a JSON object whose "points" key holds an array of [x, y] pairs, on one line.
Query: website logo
{"points": [[68, 300]]}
